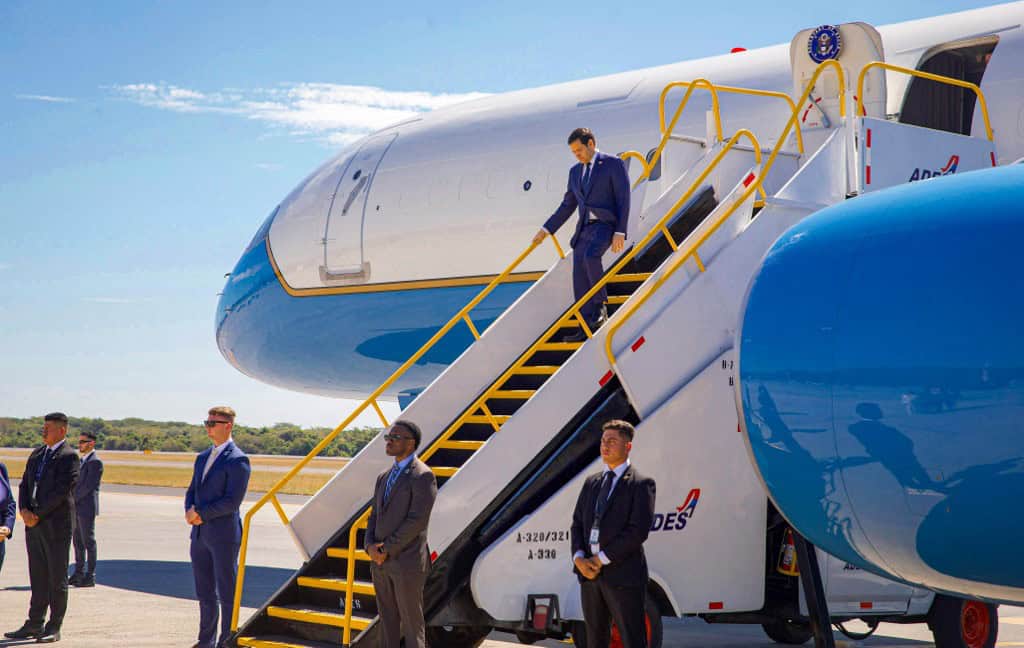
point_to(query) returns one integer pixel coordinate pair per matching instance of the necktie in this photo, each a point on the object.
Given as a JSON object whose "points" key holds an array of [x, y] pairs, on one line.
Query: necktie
{"points": [[586, 177], [602, 495], [392, 478], [42, 464]]}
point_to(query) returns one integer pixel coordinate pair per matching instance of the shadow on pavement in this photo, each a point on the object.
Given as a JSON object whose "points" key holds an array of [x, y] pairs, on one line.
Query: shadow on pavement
{"points": [[173, 578]]}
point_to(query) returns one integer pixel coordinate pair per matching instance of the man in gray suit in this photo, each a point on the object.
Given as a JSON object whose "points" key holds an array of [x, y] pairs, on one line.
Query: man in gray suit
{"points": [[396, 538], [87, 507]]}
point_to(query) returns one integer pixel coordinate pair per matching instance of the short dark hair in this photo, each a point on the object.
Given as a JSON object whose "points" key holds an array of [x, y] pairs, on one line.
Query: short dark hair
{"points": [[413, 429], [622, 427], [91, 435], [59, 417], [584, 135]]}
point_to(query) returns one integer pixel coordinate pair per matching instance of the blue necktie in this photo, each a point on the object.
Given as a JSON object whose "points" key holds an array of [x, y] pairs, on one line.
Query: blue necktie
{"points": [[42, 464], [586, 177], [602, 495], [392, 478]]}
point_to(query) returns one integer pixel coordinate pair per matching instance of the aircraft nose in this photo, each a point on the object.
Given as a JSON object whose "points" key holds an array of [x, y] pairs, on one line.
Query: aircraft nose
{"points": [[250, 278]]}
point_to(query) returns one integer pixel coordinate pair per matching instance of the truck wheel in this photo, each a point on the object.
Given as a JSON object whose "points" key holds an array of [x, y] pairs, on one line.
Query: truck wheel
{"points": [[652, 617], [963, 623], [456, 636], [786, 631], [528, 637]]}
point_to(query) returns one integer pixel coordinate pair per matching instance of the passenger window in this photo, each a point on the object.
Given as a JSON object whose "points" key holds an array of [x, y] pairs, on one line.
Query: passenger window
{"points": [[656, 171]]}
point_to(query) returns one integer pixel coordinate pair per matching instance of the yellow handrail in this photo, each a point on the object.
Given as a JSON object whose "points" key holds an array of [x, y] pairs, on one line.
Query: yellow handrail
{"points": [[754, 186], [666, 133], [924, 75], [371, 401], [733, 90]]}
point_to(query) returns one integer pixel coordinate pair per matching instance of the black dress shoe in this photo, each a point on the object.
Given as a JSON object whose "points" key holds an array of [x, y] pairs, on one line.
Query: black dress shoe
{"points": [[26, 631], [49, 636], [89, 580]]}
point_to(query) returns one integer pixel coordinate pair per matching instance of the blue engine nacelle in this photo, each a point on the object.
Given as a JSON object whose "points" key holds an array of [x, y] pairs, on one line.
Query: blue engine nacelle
{"points": [[882, 381]]}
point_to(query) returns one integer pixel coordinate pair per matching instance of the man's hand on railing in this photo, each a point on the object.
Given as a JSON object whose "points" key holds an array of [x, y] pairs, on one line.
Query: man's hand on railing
{"points": [[539, 236], [618, 243]]}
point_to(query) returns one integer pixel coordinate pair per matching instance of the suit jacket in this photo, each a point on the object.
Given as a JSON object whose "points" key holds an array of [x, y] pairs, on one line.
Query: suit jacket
{"points": [[624, 526], [9, 505], [400, 522], [218, 497], [606, 198], [87, 490], [53, 498]]}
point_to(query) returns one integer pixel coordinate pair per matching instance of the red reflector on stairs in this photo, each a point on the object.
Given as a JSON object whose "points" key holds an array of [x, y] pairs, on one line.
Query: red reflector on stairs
{"points": [[716, 605], [748, 180], [433, 556], [866, 605], [605, 378], [639, 343]]}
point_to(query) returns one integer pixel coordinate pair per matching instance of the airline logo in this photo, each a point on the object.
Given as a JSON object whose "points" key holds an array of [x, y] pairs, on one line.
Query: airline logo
{"points": [[924, 174], [676, 520]]}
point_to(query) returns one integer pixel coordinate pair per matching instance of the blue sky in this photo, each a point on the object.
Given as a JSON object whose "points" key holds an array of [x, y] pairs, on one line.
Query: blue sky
{"points": [[142, 143]]}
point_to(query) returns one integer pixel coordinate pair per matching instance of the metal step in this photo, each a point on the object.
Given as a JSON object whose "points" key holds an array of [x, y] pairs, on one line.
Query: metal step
{"points": [[278, 641], [480, 418], [559, 346], [536, 370], [318, 616], [444, 471], [630, 277], [463, 445], [520, 394], [336, 584], [339, 552]]}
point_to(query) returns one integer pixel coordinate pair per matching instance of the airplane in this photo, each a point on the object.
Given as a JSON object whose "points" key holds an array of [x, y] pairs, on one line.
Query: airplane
{"points": [[375, 250], [379, 247]]}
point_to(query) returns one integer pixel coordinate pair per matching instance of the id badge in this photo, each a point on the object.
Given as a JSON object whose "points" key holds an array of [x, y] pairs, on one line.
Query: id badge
{"points": [[594, 535]]}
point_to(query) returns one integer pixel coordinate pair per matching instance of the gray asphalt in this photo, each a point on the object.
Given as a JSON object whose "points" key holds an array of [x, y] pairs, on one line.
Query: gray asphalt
{"points": [[144, 596]]}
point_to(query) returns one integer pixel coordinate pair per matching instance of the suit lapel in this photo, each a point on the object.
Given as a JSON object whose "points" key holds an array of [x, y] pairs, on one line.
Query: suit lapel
{"points": [[621, 485], [594, 170], [401, 479], [219, 459]]}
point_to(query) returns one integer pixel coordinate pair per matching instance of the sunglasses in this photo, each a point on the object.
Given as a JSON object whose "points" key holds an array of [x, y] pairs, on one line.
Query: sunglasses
{"points": [[396, 437], [81, 441], [211, 423]]}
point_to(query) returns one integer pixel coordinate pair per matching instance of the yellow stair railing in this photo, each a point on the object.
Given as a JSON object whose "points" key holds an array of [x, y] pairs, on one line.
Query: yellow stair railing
{"points": [[924, 75], [692, 251], [463, 316]]}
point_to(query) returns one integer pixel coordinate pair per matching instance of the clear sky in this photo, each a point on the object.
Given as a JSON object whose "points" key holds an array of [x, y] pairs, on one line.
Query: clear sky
{"points": [[142, 143]]}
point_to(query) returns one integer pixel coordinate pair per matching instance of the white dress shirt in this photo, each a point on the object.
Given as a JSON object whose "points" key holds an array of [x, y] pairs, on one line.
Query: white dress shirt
{"points": [[217, 450], [595, 548]]}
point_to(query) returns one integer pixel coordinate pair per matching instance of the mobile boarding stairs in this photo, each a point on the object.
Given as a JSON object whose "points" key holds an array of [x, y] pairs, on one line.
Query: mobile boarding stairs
{"points": [[512, 427]]}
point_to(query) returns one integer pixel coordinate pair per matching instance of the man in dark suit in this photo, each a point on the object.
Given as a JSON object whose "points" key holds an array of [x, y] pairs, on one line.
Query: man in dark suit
{"points": [[46, 500], [396, 538], [87, 507], [599, 189], [8, 510], [611, 521], [220, 478]]}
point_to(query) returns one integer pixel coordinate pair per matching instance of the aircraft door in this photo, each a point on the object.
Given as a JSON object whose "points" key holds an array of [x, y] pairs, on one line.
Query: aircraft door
{"points": [[343, 238]]}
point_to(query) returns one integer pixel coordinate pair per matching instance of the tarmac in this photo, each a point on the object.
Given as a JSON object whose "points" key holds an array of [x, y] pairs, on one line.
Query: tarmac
{"points": [[145, 598]]}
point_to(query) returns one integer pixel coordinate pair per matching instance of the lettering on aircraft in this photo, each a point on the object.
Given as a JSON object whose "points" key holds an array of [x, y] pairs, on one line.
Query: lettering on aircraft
{"points": [[676, 520], [923, 174]]}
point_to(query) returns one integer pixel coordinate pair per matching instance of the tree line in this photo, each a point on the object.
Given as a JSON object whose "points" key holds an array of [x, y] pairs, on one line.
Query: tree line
{"points": [[176, 436]]}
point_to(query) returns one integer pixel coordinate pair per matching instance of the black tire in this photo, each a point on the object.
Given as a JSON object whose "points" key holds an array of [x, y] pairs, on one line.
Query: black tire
{"points": [[528, 637], [456, 636], [963, 623], [787, 631], [655, 629]]}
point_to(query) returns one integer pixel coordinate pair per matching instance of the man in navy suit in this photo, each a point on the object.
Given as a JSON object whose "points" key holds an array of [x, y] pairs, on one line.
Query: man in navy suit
{"points": [[599, 190], [219, 480], [87, 507], [8, 509]]}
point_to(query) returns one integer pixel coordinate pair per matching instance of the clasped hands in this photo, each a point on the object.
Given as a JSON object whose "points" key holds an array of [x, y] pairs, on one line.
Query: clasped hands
{"points": [[29, 518], [377, 553], [192, 517], [589, 567], [4, 533]]}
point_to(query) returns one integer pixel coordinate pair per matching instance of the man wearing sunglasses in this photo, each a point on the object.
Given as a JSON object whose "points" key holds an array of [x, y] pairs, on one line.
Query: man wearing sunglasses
{"points": [[87, 507], [219, 480], [396, 538]]}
